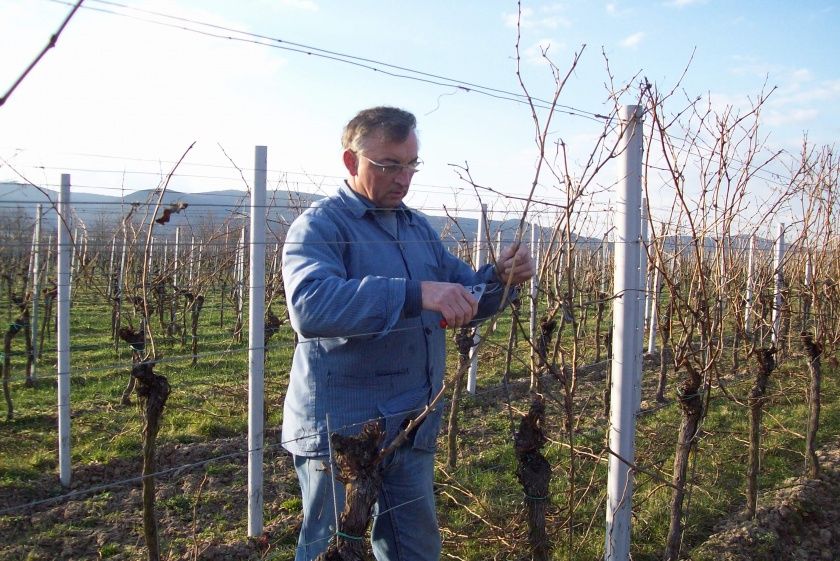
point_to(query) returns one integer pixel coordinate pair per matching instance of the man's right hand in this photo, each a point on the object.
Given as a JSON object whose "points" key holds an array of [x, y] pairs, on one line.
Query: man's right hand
{"points": [[452, 300]]}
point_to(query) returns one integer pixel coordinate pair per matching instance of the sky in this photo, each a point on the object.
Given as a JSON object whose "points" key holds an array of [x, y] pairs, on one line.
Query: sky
{"points": [[132, 84]]}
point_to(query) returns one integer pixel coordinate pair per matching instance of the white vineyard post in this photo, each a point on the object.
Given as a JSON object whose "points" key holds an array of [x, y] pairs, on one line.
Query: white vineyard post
{"points": [[653, 324], [721, 291], [73, 255], [481, 241], [256, 346], [643, 273], [192, 259], [164, 267], [535, 283], [240, 281], [275, 259], [36, 286], [605, 260], [626, 350], [198, 262], [642, 300], [151, 264], [83, 258], [123, 257], [498, 252], [118, 290], [809, 277], [176, 254], [110, 292], [65, 248], [748, 297], [779, 285], [48, 260]]}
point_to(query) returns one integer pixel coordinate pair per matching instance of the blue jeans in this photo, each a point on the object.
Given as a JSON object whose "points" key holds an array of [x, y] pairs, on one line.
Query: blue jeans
{"points": [[405, 524]]}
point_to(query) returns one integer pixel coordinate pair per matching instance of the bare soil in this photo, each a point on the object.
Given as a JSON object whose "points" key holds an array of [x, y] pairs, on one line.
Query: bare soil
{"points": [[201, 507], [800, 521]]}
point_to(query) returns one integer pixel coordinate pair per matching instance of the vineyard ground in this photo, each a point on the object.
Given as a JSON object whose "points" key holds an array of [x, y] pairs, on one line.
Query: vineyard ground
{"points": [[202, 498]]}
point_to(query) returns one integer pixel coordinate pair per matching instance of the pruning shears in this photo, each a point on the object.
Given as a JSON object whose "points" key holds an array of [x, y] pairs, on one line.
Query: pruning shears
{"points": [[477, 290]]}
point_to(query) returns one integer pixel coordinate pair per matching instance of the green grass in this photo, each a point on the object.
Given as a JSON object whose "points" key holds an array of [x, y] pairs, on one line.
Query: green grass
{"points": [[481, 505]]}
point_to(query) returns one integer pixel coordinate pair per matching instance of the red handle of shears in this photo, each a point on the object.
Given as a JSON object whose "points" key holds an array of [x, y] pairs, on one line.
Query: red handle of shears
{"points": [[477, 291]]}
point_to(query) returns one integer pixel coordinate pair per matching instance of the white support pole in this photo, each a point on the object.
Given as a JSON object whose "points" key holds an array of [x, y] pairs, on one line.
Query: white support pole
{"points": [[198, 263], [48, 260], [83, 258], [498, 252], [748, 297], [643, 273], [653, 325], [36, 287], [275, 260], [150, 266], [164, 264], [123, 257], [256, 346], [110, 291], [176, 254], [535, 284], [809, 270], [605, 261], [65, 250], [240, 276], [481, 241], [809, 279], [118, 289], [192, 260], [74, 255], [626, 351], [643, 297], [29, 275], [779, 285]]}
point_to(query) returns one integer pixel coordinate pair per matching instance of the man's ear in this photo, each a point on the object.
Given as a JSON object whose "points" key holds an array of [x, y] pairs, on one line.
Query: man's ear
{"points": [[351, 162]]}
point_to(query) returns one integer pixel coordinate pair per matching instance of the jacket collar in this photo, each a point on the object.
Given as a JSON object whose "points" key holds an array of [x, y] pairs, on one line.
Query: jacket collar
{"points": [[359, 205]]}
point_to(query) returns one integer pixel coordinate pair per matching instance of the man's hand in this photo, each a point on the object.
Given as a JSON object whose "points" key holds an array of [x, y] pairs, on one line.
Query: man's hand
{"points": [[515, 264], [452, 300]]}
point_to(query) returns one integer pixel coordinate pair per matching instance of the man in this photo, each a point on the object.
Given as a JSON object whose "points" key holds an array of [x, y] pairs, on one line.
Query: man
{"points": [[367, 283]]}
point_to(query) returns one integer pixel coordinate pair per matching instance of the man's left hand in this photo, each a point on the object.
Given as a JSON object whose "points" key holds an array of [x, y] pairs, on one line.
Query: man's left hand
{"points": [[515, 264]]}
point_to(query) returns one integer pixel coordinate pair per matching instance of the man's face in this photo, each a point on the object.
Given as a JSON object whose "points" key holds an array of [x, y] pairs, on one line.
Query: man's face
{"points": [[384, 186]]}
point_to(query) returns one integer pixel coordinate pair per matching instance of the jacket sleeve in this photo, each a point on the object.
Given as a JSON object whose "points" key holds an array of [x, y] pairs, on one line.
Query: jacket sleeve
{"points": [[462, 273], [321, 299]]}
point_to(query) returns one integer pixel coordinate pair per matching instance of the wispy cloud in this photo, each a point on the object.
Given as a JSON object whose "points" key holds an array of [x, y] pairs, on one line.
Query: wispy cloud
{"points": [[534, 53], [800, 116], [750, 66], [799, 101], [632, 40], [613, 9], [303, 5], [546, 17], [684, 3], [799, 93]]}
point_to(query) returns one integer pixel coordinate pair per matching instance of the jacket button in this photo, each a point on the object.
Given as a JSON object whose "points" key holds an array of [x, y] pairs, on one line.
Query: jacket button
{"points": [[428, 330]]}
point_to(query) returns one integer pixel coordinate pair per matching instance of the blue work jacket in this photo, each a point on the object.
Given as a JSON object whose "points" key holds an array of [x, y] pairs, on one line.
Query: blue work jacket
{"points": [[360, 356]]}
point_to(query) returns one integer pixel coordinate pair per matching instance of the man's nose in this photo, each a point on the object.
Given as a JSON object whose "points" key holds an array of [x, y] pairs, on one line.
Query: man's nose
{"points": [[404, 176]]}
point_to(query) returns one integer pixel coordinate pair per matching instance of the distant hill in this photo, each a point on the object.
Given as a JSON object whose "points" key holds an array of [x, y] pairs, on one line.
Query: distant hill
{"points": [[215, 207]]}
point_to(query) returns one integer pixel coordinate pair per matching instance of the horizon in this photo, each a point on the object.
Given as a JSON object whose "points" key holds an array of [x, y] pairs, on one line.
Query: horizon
{"points": [[119, 118]]}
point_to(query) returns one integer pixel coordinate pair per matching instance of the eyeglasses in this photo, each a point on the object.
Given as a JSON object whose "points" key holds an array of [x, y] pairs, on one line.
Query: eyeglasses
{"points": [[394, 169]]}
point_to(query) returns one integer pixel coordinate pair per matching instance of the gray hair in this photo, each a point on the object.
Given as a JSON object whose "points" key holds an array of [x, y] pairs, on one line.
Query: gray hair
{"points": [[392, 123]]}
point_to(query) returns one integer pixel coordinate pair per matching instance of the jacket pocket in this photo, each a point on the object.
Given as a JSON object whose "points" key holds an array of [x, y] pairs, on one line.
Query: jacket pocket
{"points": [[398, 411]]}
